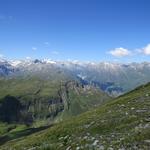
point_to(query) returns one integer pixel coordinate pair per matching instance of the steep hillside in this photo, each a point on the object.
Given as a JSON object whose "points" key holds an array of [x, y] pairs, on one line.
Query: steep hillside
{"points": [[123, 124], [34, 100]]}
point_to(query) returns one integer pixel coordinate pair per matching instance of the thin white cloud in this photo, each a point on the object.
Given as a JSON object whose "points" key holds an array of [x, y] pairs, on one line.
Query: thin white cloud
{"points": [[146, 50], [10, 17], [2, 17], [120, 52], [46, 43], [28, 57], [55, 52], [34, 48], [5, 17], [137, 51], [1, 56]]}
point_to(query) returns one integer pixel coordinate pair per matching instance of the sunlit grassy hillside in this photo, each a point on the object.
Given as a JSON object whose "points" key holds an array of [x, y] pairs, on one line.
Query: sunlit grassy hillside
{"points": [[123, 123]]}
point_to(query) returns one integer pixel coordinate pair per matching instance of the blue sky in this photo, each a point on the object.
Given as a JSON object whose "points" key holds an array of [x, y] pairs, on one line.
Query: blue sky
{"points": [[87, 30]]}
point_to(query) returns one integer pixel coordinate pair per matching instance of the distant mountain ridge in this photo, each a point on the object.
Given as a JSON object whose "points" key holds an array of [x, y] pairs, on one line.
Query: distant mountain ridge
{"points": [[113, 78]]}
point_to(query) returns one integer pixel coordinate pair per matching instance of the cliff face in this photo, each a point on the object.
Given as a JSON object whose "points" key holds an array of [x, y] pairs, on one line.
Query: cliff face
{"points": [[41, 100], [10, 108]]}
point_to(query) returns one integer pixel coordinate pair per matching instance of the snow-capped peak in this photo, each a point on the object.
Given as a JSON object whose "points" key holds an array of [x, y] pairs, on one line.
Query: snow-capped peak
{"points": [[49, 61], [15, 63]]}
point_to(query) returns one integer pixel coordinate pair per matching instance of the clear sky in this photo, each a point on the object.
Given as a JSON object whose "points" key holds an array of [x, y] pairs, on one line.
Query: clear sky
{"points": [[87, 30]]}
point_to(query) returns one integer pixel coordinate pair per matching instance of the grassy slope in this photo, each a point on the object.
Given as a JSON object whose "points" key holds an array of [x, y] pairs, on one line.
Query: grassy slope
{"points": [[123, 123], [29, 89]]}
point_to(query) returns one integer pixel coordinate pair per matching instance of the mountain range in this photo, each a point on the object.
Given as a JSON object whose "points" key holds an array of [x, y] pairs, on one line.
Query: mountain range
{"points": [[113, 78]]}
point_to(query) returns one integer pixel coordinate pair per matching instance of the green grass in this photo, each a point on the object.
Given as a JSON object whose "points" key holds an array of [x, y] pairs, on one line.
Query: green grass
{"points": [[15, 131], [34, 94], [122, 123], [28, 87]]}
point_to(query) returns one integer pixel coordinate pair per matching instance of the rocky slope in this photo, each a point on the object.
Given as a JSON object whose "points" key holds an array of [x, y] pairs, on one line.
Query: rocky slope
{"points": [[37, 101], [122, 124]]}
